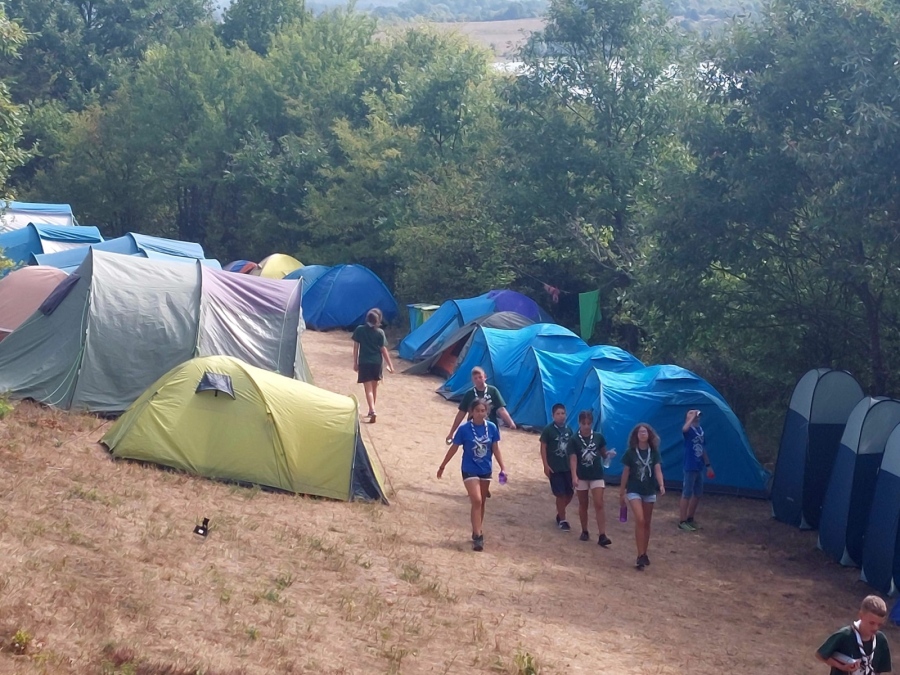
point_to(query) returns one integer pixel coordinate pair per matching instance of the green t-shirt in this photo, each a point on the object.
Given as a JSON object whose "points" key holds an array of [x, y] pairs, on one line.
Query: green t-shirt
{"points": [[557, 440], [844, 642], [640, 476], [490, 394], [589, 465], [370, 340]]}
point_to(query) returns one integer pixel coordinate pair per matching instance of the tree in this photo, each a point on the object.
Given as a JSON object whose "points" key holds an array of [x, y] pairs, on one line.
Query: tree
{"points": [[255, 22], [780, 240], [12, 118]]}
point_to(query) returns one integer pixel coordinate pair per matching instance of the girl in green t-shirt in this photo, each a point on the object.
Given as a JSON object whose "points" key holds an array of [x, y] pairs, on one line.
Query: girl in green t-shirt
{"points": [[642, 479]]}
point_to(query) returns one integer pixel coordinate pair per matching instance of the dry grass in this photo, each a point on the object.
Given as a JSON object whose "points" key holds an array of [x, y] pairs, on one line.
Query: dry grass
{"points": [[100, 570], [503, 38]]}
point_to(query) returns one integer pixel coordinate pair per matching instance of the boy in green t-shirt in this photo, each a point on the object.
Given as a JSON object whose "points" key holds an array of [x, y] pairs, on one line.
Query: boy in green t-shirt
{"points": [[860, 648], [554, 454], [587, 457], [490, 395]]}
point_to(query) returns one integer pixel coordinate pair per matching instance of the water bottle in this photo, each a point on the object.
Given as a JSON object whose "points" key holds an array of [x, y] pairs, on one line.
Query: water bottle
{"points": [[502, 478], [623, 514], [608, 458]]}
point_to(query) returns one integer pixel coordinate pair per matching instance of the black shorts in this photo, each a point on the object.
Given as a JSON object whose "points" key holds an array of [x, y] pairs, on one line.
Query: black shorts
{"points": [[472, 476], [369, 372], [561, 484]]}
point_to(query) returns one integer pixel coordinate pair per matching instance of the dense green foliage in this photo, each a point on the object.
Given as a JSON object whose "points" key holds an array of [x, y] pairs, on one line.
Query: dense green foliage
{"points": [[734, 198]]}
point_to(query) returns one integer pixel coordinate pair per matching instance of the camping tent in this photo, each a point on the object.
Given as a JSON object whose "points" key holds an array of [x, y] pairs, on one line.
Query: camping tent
{"points": [[881, 556], [848, 498], [817, 415], [276, 266], [241, 266], [340, 298], [309, 274], [661, 396], [131, 244], [501, 353], [546, 378], [442, 359], [22, 292], [15, 215], [454, 314], [19, 245], [218, 417], [118, 323]]}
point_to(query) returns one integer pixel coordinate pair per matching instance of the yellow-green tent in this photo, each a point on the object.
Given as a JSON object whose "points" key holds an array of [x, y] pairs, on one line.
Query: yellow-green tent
{"points": [[277, 266], [218, 417]]}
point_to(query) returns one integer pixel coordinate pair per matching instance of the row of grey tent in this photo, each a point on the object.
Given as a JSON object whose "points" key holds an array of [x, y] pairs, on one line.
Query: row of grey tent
{"points": [[838, 471]]}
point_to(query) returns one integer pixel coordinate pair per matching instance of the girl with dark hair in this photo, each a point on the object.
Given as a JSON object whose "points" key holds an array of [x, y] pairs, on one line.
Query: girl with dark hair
{"points": [[642, 479], [369, 355]]}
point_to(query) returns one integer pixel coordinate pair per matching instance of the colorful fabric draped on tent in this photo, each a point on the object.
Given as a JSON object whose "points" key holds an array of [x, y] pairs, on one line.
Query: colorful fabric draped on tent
{"points": [[218, 417], [118, 323], [22, 292]]}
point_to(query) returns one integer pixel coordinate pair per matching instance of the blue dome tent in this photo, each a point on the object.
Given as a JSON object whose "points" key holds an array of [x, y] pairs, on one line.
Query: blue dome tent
{"points": [[340, 298], [661, 396], [817, 416], [546, 378], [450, 316], [848, 499], [501, 353], [310, 274], [881, 557]]}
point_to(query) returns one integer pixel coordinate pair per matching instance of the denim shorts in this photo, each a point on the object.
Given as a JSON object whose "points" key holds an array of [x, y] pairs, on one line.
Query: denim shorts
{"points": [[693, 484], [647, 499]]}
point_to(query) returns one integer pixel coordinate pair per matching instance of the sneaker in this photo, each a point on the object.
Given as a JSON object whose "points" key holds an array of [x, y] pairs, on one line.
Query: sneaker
{"points": [[478, 542], [604, 541], [644, 560], [558, 521], [372, 418], [639, 563], [686, 526], [584, 536], [693, 523], [564, 526]]}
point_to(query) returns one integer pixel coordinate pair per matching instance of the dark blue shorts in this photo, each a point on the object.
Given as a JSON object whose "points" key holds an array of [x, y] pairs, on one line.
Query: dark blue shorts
{"points": [[561, 484], [369, 372], [472, 476]]}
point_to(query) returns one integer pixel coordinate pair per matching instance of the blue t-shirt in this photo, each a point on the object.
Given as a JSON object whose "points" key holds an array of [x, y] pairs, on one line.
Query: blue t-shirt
{"points": [[694, 444], [477, 441]]}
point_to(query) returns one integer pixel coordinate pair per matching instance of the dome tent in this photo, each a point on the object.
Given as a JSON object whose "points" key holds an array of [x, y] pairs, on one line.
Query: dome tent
{"points": [[276, 266], [820, 404], [240, 266], [114, 326], [309, 274], [848, 498], [340, 298], [216, 416]]}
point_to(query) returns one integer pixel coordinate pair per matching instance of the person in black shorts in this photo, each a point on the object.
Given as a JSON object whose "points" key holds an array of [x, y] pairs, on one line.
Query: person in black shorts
{"points": [[369, 355], [554, 454]]}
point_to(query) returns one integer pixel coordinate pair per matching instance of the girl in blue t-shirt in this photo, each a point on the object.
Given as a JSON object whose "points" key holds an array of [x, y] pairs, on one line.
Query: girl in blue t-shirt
{"points": [[480, 441]]}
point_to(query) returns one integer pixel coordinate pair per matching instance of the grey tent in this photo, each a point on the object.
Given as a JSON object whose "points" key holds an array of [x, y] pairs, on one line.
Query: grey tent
{"points": [[118, 323], [447, 355]]}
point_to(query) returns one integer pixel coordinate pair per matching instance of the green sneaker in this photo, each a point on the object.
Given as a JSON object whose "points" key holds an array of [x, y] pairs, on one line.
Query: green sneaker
{"points": [[686, 526]]}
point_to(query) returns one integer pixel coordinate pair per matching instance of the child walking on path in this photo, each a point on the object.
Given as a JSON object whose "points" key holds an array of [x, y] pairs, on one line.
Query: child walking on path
{"points": [[860, 648], [696, 461], [642, 479], [480, 441], [555, 440], [587, 456], [369, 354], [490, 395]]}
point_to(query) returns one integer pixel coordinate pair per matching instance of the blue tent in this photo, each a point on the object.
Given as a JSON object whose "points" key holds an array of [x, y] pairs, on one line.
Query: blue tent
{"points": [[16, 215], [502, 352], [140, 245], [820, 405], [881, 556], [848, 499], [340, 298], [661, 396], [546, 378], [19, 245], [310, 274], [450, 316]]}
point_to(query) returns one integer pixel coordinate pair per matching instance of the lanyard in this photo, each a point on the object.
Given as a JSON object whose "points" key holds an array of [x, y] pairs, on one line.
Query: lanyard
{"points": [[486, 396], [866, 659], [587, 444], [476, 437]]}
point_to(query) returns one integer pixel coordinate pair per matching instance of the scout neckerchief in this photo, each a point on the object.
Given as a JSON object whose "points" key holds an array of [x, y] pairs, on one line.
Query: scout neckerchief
{"points": [[562, 440], [481, 442], [644, 464], [865, 665], [588, 447]]}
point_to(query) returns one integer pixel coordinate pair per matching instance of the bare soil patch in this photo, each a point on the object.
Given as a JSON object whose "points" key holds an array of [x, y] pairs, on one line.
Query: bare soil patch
{"points": [[503, 38], [99, 567]]}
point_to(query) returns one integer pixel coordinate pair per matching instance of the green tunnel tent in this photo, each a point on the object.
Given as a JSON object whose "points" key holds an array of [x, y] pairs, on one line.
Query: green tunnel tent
{"points": [[220, 418], [118, 323]]}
